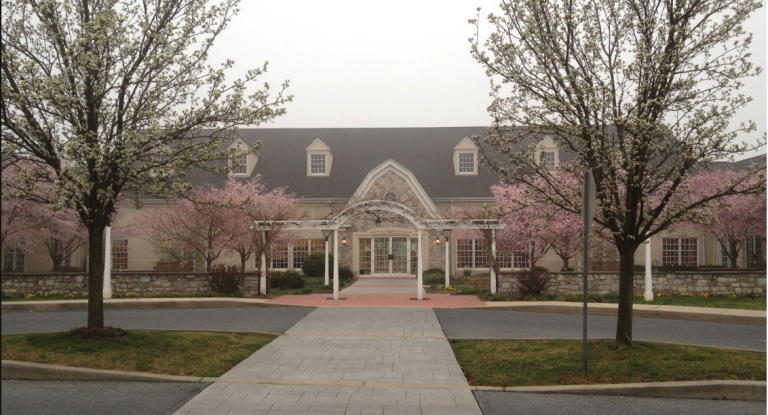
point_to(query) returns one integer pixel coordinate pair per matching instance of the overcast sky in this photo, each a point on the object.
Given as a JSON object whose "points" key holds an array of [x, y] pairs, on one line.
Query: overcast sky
{"points": [[388, 64]]}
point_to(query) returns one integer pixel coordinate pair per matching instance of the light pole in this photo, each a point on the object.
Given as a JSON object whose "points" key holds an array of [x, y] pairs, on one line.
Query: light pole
{"points": [[447, 235]]}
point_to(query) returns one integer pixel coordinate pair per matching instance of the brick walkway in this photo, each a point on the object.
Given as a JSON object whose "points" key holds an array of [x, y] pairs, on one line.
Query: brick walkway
{"points": [[337, 361], [380, 300]]}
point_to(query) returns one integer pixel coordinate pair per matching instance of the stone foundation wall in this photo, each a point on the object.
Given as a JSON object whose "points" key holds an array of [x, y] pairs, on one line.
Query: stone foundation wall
{"points": [[140, 284], [674, 283]]}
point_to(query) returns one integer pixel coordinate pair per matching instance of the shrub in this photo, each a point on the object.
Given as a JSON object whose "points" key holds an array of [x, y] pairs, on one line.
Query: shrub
{"points": [[533, 282], [430, 279], [435, 271], [225, 278], [313, 265], [345, 274], [285, 280]]}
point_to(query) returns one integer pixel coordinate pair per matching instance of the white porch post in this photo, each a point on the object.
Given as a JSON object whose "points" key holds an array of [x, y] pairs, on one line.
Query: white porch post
{"points": [[493, 253], [648, 275], [263, 277], [447, 262], [419, 276], [107, 291], [335, 264], [326, 261]]}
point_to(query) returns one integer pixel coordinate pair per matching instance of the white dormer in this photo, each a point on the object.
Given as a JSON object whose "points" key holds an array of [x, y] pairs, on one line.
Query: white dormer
{"points": [[547, 153], [465, 158], [246, 159], [319, 159]]}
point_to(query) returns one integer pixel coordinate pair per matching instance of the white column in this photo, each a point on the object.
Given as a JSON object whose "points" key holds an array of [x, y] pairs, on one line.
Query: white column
{"points": [[107, 291], [493, 253], [419, 276], [447, 262], [648, 276], [335, 264], [263, 277], [326, 261]]}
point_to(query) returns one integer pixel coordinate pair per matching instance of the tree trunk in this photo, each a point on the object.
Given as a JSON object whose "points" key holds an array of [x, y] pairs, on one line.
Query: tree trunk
{"points": [[96, 276], [242, 263], [626, 296], [734, 254]]}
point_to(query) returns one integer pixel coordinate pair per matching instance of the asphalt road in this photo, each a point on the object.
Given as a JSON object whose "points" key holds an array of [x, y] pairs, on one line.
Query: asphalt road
{"points": [[95, 398], [503, 403], [497, 324], [269, 319]]}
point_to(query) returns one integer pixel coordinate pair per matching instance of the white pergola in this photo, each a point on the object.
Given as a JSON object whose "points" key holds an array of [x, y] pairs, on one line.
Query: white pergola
{"points": [[420, 224]]}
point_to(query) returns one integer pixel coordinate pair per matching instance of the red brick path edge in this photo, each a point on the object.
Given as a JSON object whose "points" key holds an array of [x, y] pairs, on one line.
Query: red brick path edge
{"points": [[380, 300]]}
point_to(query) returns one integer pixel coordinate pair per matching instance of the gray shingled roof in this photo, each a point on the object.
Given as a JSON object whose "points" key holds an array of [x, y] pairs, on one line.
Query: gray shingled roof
{"points": [[426, 152]]}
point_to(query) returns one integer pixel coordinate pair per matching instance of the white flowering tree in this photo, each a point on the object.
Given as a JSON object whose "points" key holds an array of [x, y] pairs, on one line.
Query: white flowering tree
{"points": [[641, 92], [116, 96]]}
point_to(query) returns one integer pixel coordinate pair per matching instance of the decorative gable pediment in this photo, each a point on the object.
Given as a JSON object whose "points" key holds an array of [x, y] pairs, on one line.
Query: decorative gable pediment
{"points": [[391, 181]]}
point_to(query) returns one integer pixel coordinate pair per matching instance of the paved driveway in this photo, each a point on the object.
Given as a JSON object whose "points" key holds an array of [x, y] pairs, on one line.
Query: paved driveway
{"points": [[95, 398], [269, 319], [497, 324]]}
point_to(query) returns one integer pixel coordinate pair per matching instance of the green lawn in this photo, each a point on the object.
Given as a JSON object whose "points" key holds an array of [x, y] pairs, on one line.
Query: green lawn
{"points": [[739, 302], [163, 352], [558, 362]]}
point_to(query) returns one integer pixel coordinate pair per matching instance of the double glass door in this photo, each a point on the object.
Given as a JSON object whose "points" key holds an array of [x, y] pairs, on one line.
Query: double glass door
{"points": [[390, 256]]}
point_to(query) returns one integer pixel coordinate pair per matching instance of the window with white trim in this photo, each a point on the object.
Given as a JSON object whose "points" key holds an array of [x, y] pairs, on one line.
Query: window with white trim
{"points": [[466, 163], [242, 168], [364, 256], [317, 163], [279, 256], [754, 251], [13, 260], [679, 251], [725, 262], [548, 159], [120, 255], [470, 253], [521, 259]]}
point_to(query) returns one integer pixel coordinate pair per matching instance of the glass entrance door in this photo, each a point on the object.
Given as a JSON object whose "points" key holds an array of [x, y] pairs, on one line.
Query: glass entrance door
{"points": [[390, 256], [381, 255], [400, 255]]}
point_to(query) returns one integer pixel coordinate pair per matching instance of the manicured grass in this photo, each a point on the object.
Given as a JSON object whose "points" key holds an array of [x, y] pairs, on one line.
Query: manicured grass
{"points": [[739, 302], [558, 362], [163, 352]]}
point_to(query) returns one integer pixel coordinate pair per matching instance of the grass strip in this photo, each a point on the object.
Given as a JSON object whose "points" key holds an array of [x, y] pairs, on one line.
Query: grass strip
{"points": [[161, 352], [558, 362]]}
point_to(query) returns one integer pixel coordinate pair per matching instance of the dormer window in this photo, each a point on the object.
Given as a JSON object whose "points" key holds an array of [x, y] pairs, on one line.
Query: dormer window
{"points": [[242, 167], [317, 164], [465, 158], [319, 159], [466, 163], [548, 159]]}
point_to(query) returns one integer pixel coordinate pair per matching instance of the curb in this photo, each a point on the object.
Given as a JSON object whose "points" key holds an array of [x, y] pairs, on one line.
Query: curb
{"points": [[14, 370], [729, 316], [131, 305], [744, 390]]}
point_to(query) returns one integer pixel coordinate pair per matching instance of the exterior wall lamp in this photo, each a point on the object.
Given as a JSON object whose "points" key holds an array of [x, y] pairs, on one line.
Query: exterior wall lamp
{"points": [[378, 221], [344, 240], [437, 240]]}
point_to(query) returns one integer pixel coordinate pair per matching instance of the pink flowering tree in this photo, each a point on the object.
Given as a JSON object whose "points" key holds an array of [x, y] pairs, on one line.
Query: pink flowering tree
{"points": [[486, 235], [199, 224], [250, 201], [60, 231], [731, 219]]}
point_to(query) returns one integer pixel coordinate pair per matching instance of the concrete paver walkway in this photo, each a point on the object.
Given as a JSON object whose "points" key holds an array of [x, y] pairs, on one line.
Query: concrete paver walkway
{"points": [[342, 361]]}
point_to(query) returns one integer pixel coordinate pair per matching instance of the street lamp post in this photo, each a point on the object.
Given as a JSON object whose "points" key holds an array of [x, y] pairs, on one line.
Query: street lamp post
{"points": [[326, 234]]}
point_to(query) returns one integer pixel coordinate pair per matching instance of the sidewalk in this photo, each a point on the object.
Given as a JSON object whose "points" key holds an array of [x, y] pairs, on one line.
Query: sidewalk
{"points": [[717, 315], [400, 355]]}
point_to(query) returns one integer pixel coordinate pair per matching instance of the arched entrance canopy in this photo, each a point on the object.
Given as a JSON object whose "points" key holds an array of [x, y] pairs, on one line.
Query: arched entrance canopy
{"points": [[368, 206]]}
